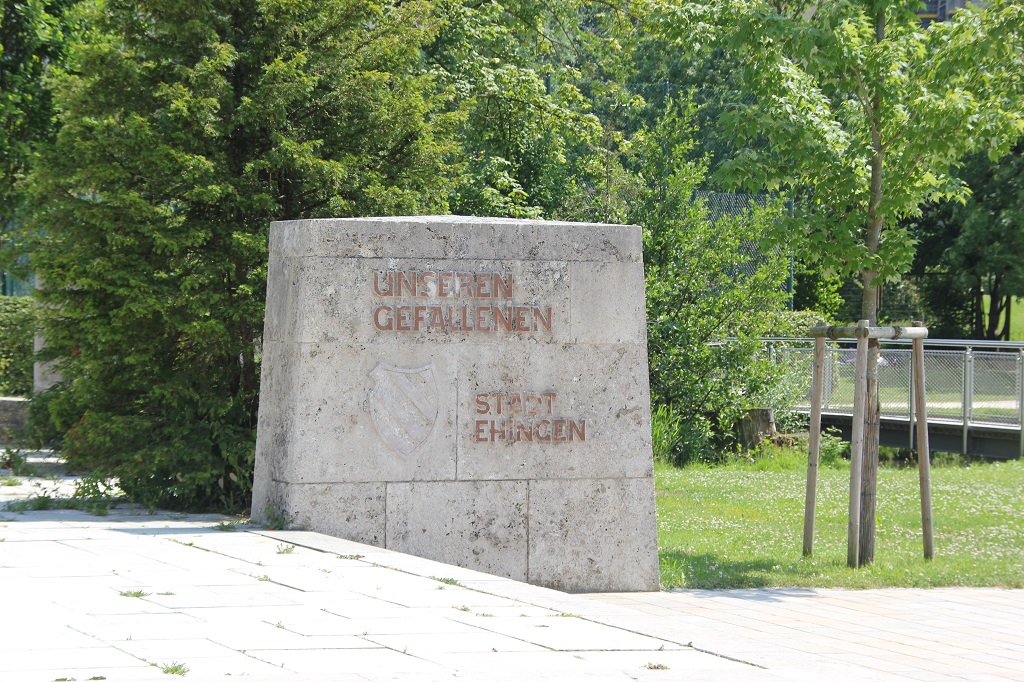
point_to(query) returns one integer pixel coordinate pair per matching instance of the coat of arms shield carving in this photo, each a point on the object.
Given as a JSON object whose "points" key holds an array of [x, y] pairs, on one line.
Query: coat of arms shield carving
{"points": [[404, 405]]}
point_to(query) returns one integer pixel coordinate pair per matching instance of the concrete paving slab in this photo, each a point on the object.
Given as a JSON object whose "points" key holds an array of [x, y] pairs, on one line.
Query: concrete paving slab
{"points": [[838, 634], [379, 615]]}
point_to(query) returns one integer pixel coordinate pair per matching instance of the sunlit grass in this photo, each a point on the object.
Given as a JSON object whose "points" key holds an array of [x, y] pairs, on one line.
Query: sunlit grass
{"points": [[741, 525]]}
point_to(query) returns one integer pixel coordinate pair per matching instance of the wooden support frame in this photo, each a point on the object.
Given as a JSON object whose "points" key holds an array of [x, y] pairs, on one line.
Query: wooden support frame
{"points": [[923, 449], [860, 399], [814, 444], [861, 333]]}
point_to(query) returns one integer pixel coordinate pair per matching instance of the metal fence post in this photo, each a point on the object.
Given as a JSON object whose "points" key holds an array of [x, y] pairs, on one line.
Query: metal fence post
{"points": [[1020, 399], [968, 399]]}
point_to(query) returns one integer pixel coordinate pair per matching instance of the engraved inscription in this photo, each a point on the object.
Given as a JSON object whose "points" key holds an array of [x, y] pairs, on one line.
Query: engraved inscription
{"points": [[404, 405], [517, 416], [400, 311]]}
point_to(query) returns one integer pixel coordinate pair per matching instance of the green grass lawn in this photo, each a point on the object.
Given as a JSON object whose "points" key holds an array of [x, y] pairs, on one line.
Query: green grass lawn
{"points": [[741, 526]]}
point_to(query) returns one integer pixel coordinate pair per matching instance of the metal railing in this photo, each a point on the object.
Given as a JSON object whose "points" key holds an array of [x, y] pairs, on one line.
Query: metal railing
{"points": [[969, 383]]}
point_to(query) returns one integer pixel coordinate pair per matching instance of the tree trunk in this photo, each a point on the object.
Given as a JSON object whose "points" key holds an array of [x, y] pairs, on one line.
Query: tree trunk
{"points": [[1006, 325], [995, 310], [979, 311], [869, 461], [869, 311]]}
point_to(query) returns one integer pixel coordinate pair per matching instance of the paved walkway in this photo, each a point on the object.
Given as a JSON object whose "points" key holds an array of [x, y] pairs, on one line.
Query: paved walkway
{"points": [[138, 597]]}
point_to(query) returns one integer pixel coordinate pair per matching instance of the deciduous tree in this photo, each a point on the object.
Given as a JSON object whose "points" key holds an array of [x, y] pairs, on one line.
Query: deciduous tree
{"points": [[968, 263]]}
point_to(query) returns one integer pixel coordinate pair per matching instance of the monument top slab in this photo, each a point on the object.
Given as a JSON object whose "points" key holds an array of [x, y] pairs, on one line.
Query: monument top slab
{"points": [[457, 237]]}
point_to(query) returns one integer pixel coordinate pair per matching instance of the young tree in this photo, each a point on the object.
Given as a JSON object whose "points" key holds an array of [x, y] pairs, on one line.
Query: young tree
{"points": [[185, 128], [863, 114]]}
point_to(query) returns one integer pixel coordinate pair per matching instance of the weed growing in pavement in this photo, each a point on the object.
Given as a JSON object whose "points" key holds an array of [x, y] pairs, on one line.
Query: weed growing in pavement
{"points": [[37, 503], [263, 578], [133, 593], [174, 669], [461, 608], [352, 557], [447, 581], [285, 549], [15, 461], [82, 500], [656, 666], [227, 526], [96, 494], [275, 518]]}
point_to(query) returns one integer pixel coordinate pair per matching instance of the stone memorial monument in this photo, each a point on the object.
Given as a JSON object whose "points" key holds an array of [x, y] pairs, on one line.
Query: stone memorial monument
{"points": [[470, 390]]}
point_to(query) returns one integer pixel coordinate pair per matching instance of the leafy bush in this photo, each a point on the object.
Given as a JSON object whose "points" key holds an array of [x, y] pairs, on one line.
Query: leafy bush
{"points": [[712, 292], [17, 327]]}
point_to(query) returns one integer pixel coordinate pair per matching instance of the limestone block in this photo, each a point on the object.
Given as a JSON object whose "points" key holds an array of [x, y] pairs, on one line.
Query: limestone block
{"points": [[441, 385], [474, 524], [333, 434], [350, 510], [597, 535], [605, 307], [594, 388]]}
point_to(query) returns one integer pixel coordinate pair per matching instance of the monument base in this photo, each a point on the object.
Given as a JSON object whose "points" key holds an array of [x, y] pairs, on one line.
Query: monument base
{"points": [[472, 391]]}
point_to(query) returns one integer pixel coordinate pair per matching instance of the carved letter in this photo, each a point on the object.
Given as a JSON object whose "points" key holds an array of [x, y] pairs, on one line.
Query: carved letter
{"points": [[444, 284], [464, 283], [403, 321], [539, 321], [545, 435], [390, 279], [558, 434], [503, 285], [549, 398], [405, 283], [502, 317], [483, 285], [388, 324]]}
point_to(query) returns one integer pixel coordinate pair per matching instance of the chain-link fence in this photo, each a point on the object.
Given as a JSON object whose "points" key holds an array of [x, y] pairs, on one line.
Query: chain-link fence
{"points": [[967, 383]]}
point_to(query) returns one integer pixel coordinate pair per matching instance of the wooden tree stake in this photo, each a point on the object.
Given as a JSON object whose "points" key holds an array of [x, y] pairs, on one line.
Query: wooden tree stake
{"points": [[860, 385], [862, 333], [814, 444], [923, 450]]}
